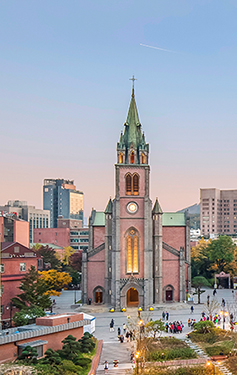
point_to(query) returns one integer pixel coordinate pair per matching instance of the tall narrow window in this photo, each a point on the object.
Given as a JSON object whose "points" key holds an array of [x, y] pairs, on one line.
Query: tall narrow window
{"points": [[121, 158], [132, 248], [143, 158], [132, 158], [135, 184], [128, 184]]}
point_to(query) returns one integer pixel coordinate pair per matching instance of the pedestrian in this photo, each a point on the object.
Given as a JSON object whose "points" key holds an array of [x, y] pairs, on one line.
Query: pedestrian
{"points": [[163, 315], [119, 331], [127, 336], [189, 322], [167, 315], [192, 309], [106, 366], [124, 328], [121, 338], [110, 327], [214, 292], [132, 357]]}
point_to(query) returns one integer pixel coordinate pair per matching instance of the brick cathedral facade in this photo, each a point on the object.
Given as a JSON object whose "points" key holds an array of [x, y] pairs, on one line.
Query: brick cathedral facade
{"points": [[137, 255]]}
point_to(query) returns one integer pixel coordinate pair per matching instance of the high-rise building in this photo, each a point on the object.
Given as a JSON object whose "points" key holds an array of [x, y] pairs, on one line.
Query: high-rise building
{"points": [[218, 211], [37, 217], [62, 199]]}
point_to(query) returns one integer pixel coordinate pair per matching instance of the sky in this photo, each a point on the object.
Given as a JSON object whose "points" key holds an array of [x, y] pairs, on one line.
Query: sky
{"points": [[65, 91]]}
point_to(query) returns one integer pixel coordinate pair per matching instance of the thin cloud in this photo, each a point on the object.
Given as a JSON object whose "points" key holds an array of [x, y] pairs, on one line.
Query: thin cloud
{"points": [[160, 49]]}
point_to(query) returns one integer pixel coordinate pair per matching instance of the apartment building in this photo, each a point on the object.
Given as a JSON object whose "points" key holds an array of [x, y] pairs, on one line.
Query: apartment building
{"points": [[218, 211]]}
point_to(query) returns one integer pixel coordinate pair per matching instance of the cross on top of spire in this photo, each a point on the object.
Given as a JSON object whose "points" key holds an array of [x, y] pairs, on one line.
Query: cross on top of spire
{"points": [[133, 79]]}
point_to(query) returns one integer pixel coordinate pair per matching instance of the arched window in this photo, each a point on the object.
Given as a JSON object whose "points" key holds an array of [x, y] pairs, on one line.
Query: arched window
{"points": [[132, 157], [121, 158], [128, 180], [132, 248], [135, 184], [143, 158]]}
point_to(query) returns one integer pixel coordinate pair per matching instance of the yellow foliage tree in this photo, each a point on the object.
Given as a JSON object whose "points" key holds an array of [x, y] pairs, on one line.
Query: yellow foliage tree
{"points": [[197, 252], [54, 281], [68, 251]]}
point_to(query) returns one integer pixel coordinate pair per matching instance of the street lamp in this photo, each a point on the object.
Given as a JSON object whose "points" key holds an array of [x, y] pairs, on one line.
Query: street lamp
{"points": [[209, 364], [137, 355], [140, 323], [224, 314]]}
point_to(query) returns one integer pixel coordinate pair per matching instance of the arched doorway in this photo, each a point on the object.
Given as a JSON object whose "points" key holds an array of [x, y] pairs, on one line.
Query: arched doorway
{"points": [[132, 297], [98, 295], [169, 293]]}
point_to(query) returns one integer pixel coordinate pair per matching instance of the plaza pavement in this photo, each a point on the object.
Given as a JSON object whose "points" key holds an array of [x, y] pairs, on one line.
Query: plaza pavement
{"points": [[112, 349]]}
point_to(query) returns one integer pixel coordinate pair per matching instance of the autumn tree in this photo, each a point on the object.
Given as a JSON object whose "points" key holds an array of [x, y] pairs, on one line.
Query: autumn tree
{"points": [[212, 307], [200, 261], [67, 253], [75, 261], [54, 281]]}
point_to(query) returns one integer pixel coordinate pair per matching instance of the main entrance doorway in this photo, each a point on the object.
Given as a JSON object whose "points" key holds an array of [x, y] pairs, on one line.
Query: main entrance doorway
{"points": [[98, 297], [132, 297], [169, 293]]}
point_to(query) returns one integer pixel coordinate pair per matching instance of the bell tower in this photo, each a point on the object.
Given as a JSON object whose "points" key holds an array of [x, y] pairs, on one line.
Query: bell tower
{"points": [[132, 259]]}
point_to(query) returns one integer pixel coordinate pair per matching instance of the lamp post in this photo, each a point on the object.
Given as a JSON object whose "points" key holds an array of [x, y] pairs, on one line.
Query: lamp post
{"points": [[137, 354], [213, 367], [224, 315], [140, 323]]}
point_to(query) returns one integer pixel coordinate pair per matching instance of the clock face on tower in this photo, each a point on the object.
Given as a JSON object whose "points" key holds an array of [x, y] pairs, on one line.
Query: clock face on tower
{"points": [[132, 207]]}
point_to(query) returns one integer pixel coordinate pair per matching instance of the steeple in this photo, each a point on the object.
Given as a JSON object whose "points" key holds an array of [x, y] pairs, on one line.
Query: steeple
{"points": [[132, 140], [157, 209]]}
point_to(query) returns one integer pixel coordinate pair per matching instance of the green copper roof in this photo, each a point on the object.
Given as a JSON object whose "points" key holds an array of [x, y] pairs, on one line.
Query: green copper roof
{"points": [[109, 207], [99, 219], [173, 219], [132, 136], [157, 209]]}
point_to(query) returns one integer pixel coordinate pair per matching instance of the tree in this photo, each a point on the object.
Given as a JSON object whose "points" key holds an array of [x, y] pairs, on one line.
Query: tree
{"points": [[27, 314], [54, 281], [156, 326], [51, 358], [211, 308], [49, 256], [200, 261], [33, 292], [197, 283], [221, 252], [68, 252], [75, 261], [28, 355], [76, 277], [203, 326], [86, 343], [70, 349]]}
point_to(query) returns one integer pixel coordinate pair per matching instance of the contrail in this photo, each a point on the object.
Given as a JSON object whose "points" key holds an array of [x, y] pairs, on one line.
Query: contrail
{"points": [[161, 49]]}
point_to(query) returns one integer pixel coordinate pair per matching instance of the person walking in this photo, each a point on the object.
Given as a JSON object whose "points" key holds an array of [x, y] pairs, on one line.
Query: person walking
{"points": [[124, 328], [106, 366], [119, 331], [163, 315], [192, 309], [167, 315]]}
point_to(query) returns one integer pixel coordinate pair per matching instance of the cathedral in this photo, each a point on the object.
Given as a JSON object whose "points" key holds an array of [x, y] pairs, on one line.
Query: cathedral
{"points": [[138, 255]]}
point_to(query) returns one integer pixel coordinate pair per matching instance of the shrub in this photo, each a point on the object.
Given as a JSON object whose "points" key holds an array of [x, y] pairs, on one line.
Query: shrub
{"points": [[28, 355], [204, 326], [215, 334], [223, 348], [70, 366], [83, 362], [86, 343], [169, 354]]}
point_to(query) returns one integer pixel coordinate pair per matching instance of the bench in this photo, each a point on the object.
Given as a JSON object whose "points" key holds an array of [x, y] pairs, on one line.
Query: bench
{"points": [[218, 357]]}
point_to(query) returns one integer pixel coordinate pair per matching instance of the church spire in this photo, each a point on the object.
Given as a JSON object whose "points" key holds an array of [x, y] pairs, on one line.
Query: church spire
{"points": [[132, 141]]}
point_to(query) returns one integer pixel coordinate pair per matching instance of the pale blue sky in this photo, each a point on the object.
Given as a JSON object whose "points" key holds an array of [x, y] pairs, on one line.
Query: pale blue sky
{"points": [[65, 90]]}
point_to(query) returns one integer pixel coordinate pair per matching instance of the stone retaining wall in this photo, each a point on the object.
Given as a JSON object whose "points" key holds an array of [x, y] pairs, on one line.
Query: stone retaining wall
{"points": [[96, 359]]}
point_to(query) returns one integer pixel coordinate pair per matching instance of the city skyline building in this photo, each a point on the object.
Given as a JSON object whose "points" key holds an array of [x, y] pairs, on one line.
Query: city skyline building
{"points": [[36, 217], [62, 199], [218, 211]]}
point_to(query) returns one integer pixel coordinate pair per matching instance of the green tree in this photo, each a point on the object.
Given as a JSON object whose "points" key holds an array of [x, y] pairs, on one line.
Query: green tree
{"points": [[203, 326], [197, 283], [86, 343], [221, 252], [49, 256], [33, 291], [27, 314], [51, 358], [28, 355], [70, 349]]}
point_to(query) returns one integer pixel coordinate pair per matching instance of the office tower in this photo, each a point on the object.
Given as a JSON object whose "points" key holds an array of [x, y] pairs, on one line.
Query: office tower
{"points": [[62, 199]]}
